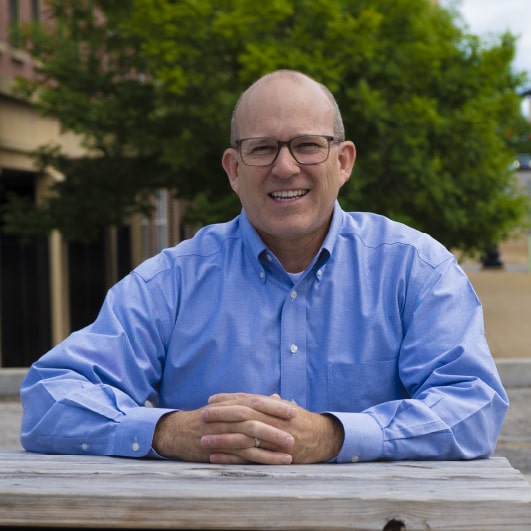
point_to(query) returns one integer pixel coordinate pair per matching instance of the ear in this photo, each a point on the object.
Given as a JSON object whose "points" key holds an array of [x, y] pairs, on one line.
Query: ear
{"points": [[230, 164], [346, 158]]}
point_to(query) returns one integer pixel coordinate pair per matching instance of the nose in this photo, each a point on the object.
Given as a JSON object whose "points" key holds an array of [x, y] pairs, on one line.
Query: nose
{"points": [[285, 165]]}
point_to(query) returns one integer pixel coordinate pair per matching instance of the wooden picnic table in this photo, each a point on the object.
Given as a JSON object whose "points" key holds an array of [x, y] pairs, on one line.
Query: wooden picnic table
{"points": [[110, 492]]}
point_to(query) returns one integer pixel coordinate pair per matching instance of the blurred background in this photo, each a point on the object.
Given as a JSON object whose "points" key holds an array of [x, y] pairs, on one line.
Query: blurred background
{"points": [[114, 115]]}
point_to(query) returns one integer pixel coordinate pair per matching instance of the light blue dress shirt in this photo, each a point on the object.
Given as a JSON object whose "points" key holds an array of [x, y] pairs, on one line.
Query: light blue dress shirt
{"points": [[383, 330]]}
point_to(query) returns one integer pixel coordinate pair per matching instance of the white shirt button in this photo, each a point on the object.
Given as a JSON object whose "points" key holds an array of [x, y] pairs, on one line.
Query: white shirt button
{"points": [[135, 447], [84, 447], [293, 294], [262, 275], [293, 348], [355, 458], [319, 273]]}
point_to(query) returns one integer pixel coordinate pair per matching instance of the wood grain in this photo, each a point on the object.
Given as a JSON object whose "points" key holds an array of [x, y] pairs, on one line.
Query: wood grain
{"points": [[97, 492]]}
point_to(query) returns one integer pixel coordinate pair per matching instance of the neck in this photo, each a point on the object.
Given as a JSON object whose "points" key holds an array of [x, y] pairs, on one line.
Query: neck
{"points": [[294, 255]]}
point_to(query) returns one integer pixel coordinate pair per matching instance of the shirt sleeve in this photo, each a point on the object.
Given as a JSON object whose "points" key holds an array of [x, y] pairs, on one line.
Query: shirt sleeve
{"points": [[455, 403], [82, 397]]}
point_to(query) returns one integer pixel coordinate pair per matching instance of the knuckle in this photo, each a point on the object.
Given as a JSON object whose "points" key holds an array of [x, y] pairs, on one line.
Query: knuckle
{"points": [[256, 402], [253, 427], [242, 412]]}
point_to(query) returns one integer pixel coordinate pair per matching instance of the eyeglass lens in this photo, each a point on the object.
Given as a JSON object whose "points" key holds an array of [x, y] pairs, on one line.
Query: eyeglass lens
{"points": [[308, 149]]}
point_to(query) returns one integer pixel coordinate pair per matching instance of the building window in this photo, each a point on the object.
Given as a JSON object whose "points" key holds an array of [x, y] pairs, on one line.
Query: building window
{"points": [[14, 23], [35, 10]]}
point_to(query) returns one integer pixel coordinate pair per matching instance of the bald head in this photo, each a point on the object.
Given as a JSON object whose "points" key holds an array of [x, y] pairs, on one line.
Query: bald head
{"points": [[270, 84]]}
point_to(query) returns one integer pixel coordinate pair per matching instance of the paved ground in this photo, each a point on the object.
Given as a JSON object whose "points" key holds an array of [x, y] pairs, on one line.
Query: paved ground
{"points": [[506, 298], [514, 442], [10, 411]]}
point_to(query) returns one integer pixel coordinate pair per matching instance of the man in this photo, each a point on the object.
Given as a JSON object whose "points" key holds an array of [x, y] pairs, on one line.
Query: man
{"points": [[295, 333]]}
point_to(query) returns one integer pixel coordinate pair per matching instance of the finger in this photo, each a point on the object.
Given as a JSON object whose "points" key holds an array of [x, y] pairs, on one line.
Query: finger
{"points": [[273, 405], [228, 459], [248, 421], [223, 397], [268, 437], [254, 455]]}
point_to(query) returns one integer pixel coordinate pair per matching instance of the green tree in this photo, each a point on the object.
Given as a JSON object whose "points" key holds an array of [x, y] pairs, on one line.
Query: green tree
{"points": [[150, 85]]}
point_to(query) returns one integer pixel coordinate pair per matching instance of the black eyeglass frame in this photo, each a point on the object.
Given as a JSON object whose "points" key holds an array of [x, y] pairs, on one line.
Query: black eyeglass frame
{"points": [[281, 143]]}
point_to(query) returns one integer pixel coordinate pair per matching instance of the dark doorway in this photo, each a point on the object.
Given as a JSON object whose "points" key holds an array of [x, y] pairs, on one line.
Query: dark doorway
{"points": [[24, 284], [87, 276], [87, 281]]}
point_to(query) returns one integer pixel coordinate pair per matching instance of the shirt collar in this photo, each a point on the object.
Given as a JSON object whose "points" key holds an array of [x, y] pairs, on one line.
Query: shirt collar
{"points": [[338, 217], [257, 247], [250, 236]]}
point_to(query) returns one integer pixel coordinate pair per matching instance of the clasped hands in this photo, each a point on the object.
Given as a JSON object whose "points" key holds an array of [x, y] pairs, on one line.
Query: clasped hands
{"points": [[236, 428]]}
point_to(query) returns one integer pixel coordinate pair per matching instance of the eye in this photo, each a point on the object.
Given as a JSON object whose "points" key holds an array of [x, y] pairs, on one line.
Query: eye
{"points": [[308, 145], [259, 147], [263, 148]]}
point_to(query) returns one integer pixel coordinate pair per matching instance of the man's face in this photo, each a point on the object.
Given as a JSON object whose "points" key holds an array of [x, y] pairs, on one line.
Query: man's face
{"points": [[288, 200]]}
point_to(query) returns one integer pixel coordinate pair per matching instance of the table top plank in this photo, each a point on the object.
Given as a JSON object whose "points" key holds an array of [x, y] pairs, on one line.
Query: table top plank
{"points": [[96, 492]]}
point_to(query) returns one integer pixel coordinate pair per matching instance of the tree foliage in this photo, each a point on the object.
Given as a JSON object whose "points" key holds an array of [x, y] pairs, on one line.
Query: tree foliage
{"points": [[150, 85]]}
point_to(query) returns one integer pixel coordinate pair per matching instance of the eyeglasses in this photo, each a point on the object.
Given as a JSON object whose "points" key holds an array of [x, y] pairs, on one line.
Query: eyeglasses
{"points": [[305, 149]]}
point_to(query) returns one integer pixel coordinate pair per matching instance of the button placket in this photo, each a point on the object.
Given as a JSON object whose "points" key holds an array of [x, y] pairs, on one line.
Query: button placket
{"points": [[293, 356]]}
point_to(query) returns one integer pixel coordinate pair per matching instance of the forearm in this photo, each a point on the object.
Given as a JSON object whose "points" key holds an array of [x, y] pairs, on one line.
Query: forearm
{"points": [[438, 426], [72, 416]]}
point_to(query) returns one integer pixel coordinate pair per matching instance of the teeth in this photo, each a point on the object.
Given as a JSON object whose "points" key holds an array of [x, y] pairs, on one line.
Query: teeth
{"points": [[288, 194]]}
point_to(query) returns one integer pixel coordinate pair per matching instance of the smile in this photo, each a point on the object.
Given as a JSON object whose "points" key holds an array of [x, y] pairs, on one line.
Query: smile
{"points": [[288, 195]]}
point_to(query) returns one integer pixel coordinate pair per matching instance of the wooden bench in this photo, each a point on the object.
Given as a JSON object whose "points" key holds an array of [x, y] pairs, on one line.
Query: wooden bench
{"points": [[98, 492]]}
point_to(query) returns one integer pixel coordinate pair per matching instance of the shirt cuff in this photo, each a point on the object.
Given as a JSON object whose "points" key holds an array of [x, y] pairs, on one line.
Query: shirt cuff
{"points": [[134, 435], [363, 438]]}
